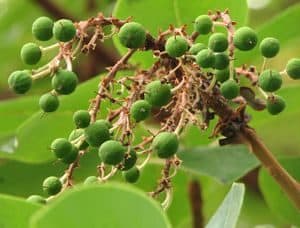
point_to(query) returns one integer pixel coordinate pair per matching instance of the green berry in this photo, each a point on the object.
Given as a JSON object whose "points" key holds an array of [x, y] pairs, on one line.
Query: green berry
{"points": [[140, 110], [270, 80], [20, 81], [275, 105], [132, 175], [132, 35], [176, 46], [293, 68], [105, 122], [82, 118], [205, 58], [221, 61], [71, 157], [230, 89], [64, 81], [52, 185], [96, 134], [64, 30], [61, 147], [42, 28], [157, 93], [203, 24], [222, 75], [245, 39], [269, 47], [75, 134], [112, 152], [130, 160], [49, 102], [195, 48], [90, 180], [218, 42], [165, 144], [31, 53], [36, 199]]}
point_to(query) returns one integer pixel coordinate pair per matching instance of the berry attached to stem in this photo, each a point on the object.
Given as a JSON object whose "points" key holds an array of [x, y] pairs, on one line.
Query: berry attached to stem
{"points": [[132, 175], [293, 68], [176, 46], [52, 185], [218, 42], [20, 81], [158, 94], [205, 58], [64, 82], [64, 30], [140, 110], [112, 152], [49, 102], [203, 24], [42, 28], [230, 89], [269, 47], [245, 39], [96, 134], [61, 147], [275, 105], [31, 53], [81, 118], [165, 144], [132, 35], [270, 80]]}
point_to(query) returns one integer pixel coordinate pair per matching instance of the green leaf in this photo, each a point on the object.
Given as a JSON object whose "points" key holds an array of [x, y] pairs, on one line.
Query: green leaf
{"points": [[109, 205], [227, 214], [226, 164], [15, 212], [275, 197]]}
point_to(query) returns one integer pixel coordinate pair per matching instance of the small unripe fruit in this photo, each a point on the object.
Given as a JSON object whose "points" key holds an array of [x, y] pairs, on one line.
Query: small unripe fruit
{"points": [[195, 48], [71, 157], [203, 24], [132, 175], [96, 134], [42, 28], [245, 39], [221, 61], [269, 47], [218, 42], [31, 53], [49, 102], [105, 122], [132, 35], [64, 81], [158, 94], [36, 199], [275, 105], [52, 185], [20, 81], [270, 80], [205, 58], [82, 118], [75, 134], [140, 110], [293, 68], [64, 30], [176, 46], [230, 89], [112, 152], [90, 180], [222, 75], [61, 147], [165, 144], [130, 160]]}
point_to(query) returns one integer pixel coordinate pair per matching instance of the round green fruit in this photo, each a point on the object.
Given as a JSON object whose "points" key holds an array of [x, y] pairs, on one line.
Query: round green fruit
{"points": [[275, 105], [158, 94], [36, 199], [140, 110], [165, 144], [245, 39], [112, 152], [132, 35], [293, 68], [230, 89], [222, 75], [132, 175], [64, 30], [176, 46], [64, 81], [71, 157], [42, 28], [203, 24], [31, 53], [205, 58], [130, 160], [218, 42], [75, 134], [90, 180], [221, 61], [52, 185], [49, 102], [105, 122], [269, 47], [195, 48], [82, 118], [96, 134], [20, 81], [270, 80], [61, 147]]}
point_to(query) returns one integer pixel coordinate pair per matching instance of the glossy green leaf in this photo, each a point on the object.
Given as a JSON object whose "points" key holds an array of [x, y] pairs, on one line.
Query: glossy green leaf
{"points": [[275, 197], [227, 214], [109, 205], [15, 212], [226, 164]]}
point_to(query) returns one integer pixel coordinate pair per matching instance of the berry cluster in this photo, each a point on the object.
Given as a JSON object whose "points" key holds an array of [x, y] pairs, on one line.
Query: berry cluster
{"points": [[189, 83]]}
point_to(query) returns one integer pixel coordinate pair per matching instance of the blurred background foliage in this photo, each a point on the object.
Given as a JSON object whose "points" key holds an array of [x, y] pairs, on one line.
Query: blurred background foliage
{"points": [[25, 161]]}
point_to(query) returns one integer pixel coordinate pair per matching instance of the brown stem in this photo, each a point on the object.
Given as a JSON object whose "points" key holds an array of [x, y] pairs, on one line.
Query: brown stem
{"points": [[196, 203]]}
